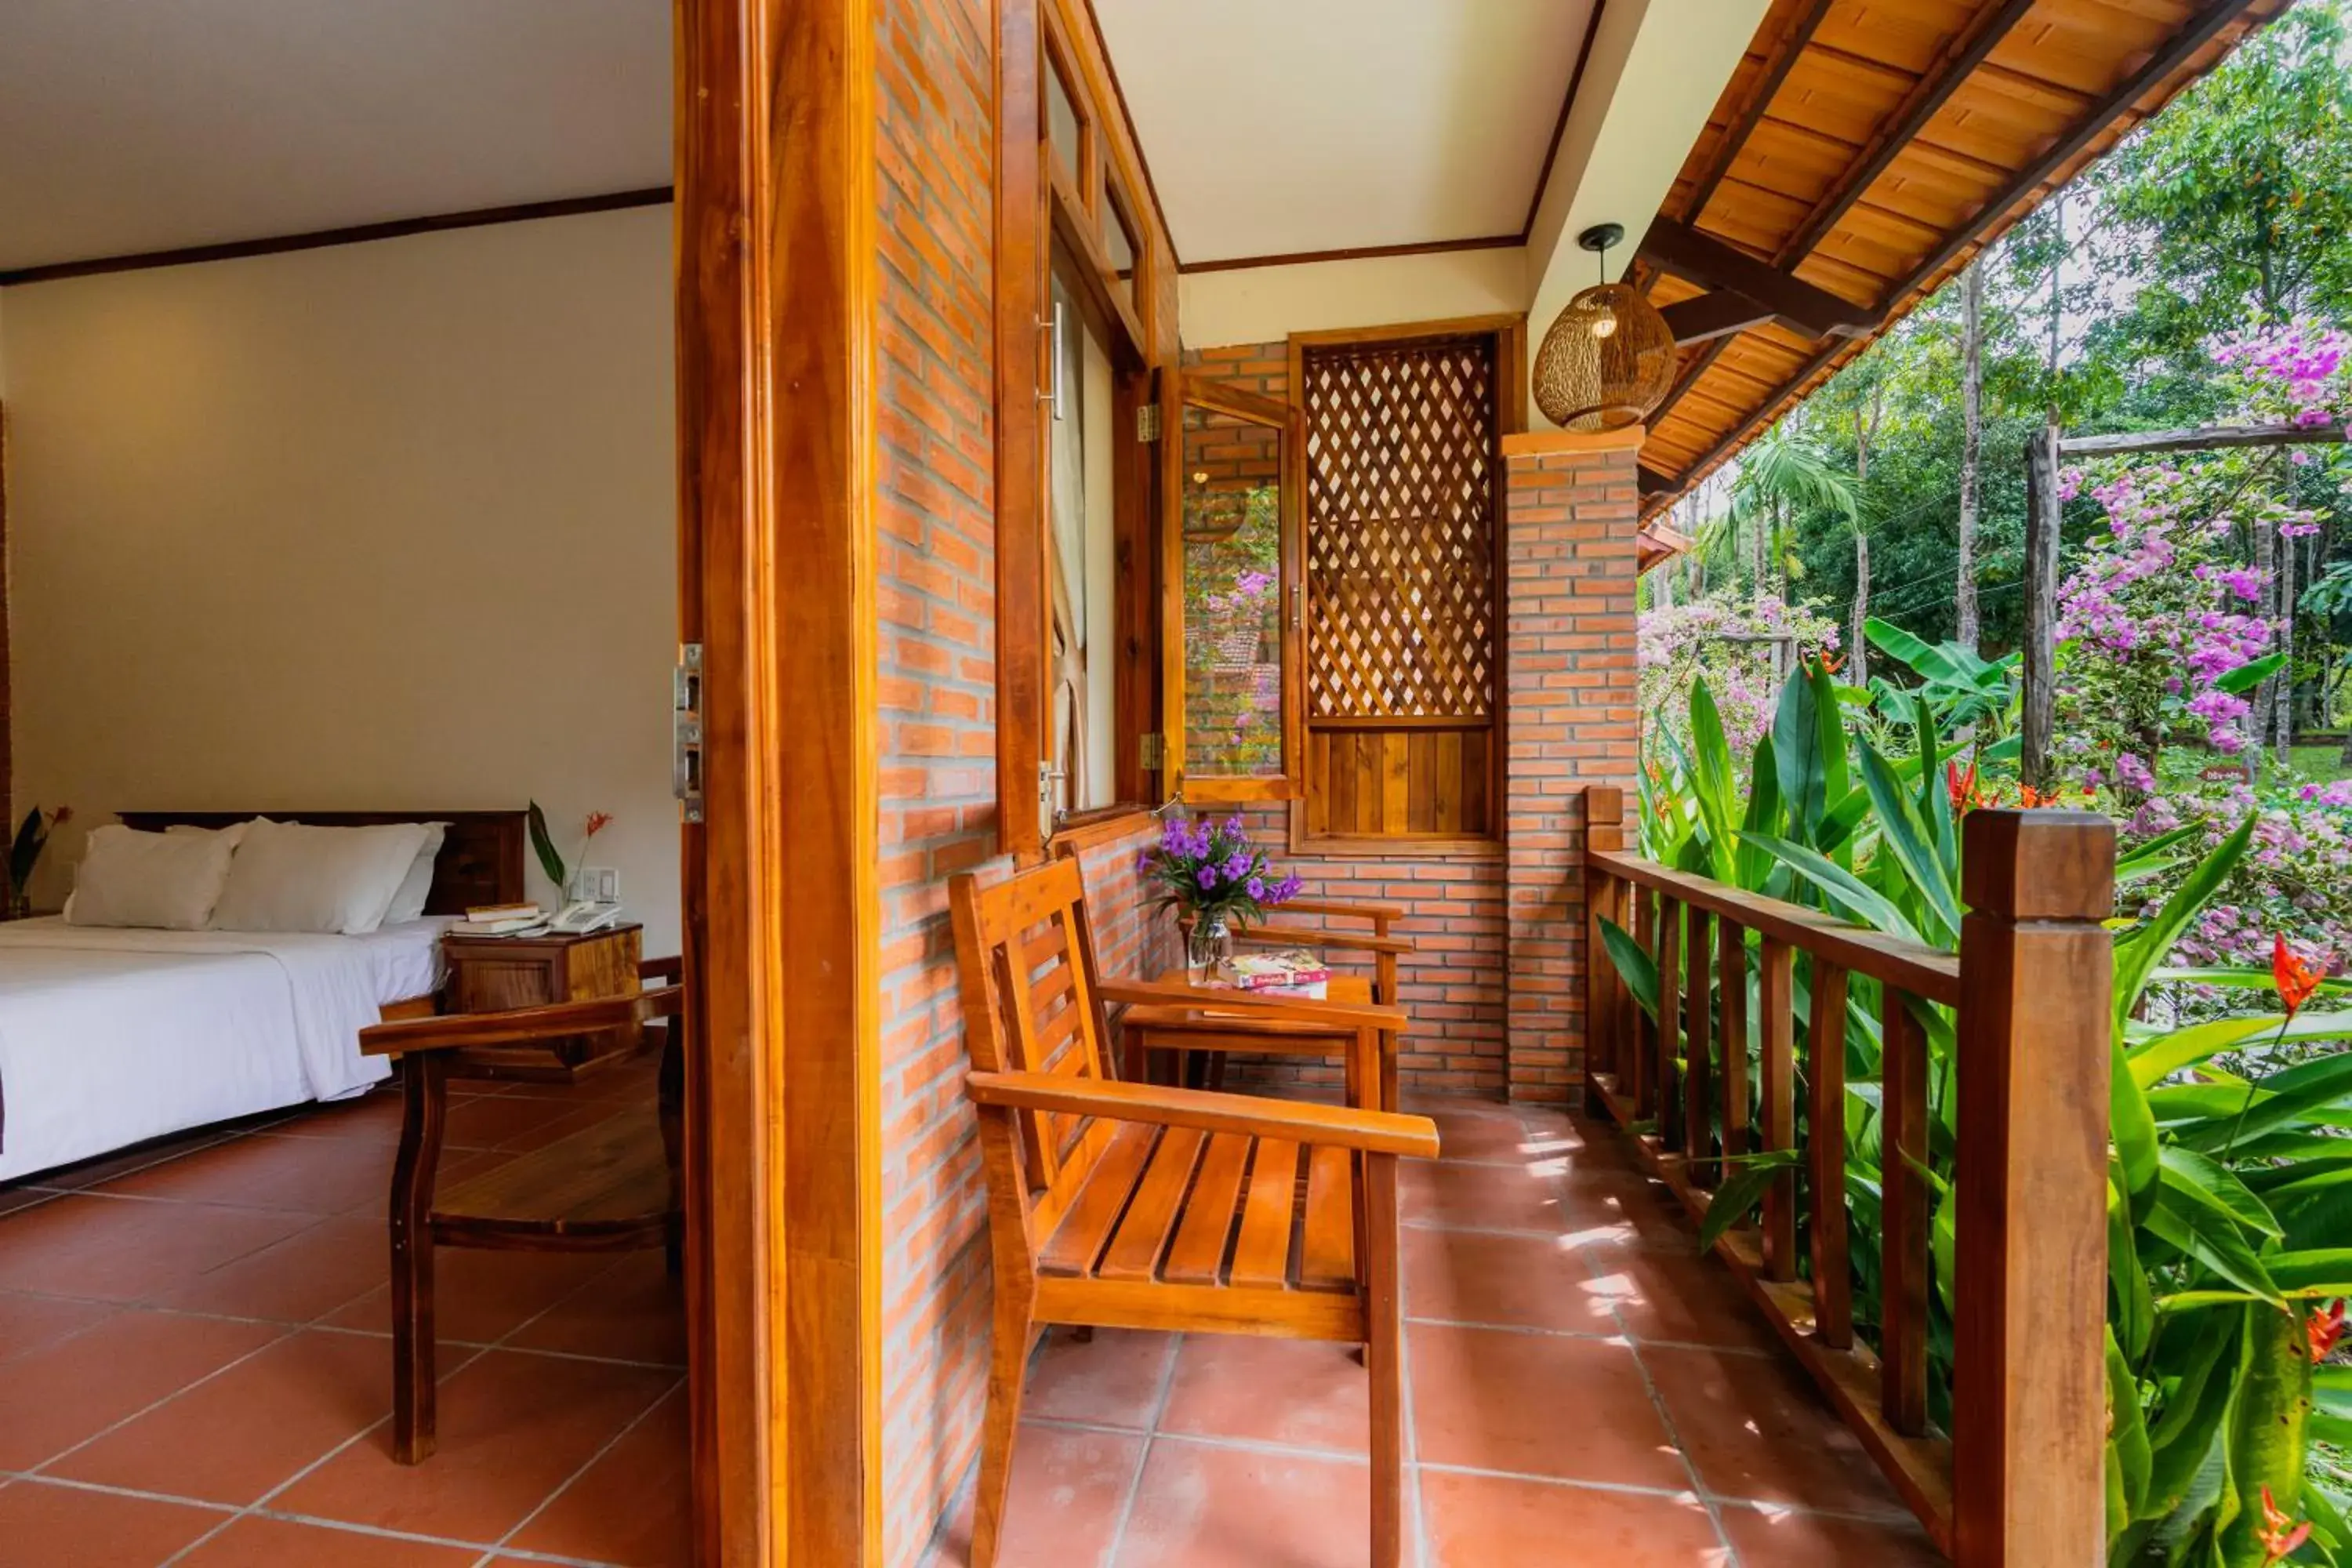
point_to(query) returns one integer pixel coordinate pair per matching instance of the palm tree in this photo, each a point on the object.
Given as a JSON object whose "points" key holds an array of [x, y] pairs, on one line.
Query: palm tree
{"points": [[1781, 478]]}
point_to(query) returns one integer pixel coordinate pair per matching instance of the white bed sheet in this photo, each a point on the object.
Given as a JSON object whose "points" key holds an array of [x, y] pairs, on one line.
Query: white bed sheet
{"points": [[109, 1037]]}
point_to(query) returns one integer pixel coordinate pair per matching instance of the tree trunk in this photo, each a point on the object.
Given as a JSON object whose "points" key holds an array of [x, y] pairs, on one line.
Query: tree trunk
{"points": [[1971, 445], [1857, 654]]}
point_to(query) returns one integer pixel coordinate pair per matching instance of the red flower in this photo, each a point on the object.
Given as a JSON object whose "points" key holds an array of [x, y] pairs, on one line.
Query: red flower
{"points": [[598, 821], [2277, 1539], [2296, 976], [1963, 786], [2326, 1326]]}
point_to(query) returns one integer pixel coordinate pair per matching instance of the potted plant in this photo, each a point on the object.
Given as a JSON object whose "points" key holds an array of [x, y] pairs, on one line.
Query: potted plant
{"points": [[1216, 880]]}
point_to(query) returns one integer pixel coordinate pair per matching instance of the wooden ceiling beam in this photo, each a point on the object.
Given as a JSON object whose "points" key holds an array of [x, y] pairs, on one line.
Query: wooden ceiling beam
{"points": [[1962, 54], [1714, 315], [1777, 64], [1703, 258]]}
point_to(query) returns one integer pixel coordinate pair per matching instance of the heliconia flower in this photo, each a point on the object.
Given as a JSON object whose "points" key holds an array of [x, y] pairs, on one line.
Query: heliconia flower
{"points": [[2324, 1328], [2296, 976], [2279, 1541]]}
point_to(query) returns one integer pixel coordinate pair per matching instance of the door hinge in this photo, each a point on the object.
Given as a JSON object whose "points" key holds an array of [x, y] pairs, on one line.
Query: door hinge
{"points": [[1152, 752], [1147, 422], [686, 732]]}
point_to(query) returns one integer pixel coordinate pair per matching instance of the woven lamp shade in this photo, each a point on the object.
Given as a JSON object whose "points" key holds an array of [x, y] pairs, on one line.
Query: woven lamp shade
{"points": [[1606, 362]]}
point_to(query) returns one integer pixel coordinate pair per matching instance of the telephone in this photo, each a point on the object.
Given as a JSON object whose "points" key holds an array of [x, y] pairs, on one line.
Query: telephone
{"points": [[585, 917]]}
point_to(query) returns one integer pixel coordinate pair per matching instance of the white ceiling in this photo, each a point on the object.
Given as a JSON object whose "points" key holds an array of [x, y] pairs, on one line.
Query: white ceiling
{"points": [[1279, 126], [138, 125]]}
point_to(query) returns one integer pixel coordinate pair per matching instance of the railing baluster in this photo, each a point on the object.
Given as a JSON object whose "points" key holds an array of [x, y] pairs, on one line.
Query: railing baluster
{"points": [[1904, 1210], [1832, 1275], [1732, 979], [1698, 1092], [1666, 1085], [1777, 1030]]}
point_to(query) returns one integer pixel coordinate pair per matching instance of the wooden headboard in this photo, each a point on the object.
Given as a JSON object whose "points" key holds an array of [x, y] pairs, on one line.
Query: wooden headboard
{"points": [[481, 858]]}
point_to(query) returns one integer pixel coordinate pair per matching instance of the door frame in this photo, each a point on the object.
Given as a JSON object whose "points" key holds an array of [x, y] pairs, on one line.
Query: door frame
{"points": [[775, 315]]}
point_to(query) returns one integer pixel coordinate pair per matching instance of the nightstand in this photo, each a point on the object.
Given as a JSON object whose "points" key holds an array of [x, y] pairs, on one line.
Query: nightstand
{"points": [[493, 974]]}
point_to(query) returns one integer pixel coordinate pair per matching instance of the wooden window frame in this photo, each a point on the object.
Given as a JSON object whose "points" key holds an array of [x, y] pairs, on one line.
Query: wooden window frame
{"points": [[1041, 206], [1193, 389], [1509, 332]]}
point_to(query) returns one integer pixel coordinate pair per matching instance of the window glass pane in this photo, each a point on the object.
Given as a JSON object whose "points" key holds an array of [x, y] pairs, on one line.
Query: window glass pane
{"points": [[1081, 629], [1061, 120], [1233, 597], [1118, 241]]}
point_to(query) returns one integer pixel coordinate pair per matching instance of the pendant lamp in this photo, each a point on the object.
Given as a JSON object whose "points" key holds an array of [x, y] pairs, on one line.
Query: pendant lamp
{"points": [[1609, 357]]}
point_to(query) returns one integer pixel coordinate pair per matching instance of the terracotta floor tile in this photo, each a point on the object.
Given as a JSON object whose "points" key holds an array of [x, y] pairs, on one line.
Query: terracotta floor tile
{"points": [[233, 1437], [269, 1170], [74, 1390], [30, 1324], [42, 1524], [1063, 1510], [1113, 1380], [1487, 1521], [1519, 1281], [632, 1506], [1202, 1507], [284, 1543], [322, 1267], [633, 1311], [1769, 1538], [1302, 1394], [122, 1249], [1537, 1405], [1487, 1197], [481, 1296], [1665, 1295], [513, 1428], [1756, 1430]]}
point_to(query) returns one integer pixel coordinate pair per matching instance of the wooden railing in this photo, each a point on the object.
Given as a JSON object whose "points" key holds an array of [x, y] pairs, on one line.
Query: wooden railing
{"points": [[2017, 1480]]}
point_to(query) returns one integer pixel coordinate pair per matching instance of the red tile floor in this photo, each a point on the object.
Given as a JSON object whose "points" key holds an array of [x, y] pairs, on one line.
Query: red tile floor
{"points": [[195, 1369], [1581, 1387]]}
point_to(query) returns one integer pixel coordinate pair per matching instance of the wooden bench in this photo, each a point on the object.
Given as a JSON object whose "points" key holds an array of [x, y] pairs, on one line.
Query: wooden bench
{"points": [[609, 1187], [1132, 1205]]}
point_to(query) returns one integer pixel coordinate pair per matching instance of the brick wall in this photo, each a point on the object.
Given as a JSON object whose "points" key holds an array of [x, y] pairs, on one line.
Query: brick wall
{"points": [[1572, 717], [936, 692]]}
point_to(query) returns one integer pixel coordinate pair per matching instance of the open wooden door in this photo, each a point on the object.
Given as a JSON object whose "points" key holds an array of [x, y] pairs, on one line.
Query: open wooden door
{"points": [[1234, 589]]}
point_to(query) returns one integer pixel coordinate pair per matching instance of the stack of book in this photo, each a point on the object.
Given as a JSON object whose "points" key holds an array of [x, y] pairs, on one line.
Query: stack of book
{"points": [[1283, 971], [500, 920]]}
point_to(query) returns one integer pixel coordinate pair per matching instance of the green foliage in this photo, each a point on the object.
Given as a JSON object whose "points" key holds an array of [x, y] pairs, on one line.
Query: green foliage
{"points": [[2231, 1182]]}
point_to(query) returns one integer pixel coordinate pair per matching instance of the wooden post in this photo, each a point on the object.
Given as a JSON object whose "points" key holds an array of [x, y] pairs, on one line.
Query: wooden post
{"points": [[2041, 519], [2029, 1381], [1604, 829]]}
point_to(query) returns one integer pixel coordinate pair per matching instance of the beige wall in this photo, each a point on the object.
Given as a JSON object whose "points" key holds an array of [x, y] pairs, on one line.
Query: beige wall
{"points": [[1261, 304], [386, 525]]}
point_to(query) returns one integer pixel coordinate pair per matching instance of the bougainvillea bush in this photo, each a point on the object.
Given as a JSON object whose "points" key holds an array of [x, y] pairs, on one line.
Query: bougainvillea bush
{"points": [[1727, 641]]}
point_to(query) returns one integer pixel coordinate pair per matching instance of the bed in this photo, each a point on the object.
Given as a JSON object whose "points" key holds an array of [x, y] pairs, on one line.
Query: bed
{"points": [[111, 1037]]}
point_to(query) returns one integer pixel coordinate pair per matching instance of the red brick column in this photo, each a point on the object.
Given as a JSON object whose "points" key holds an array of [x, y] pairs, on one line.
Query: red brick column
{"points": [[1571, 721]]}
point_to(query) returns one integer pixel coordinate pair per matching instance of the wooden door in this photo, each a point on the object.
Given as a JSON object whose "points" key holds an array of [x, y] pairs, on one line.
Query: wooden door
{"points": [[1232, 610]]}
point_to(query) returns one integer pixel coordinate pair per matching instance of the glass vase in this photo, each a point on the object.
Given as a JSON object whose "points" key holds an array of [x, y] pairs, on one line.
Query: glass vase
{"points": [[1209, 950]]}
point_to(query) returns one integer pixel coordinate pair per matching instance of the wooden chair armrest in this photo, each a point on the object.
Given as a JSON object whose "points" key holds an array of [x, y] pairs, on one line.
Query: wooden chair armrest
{"points": [[669, 970], [1338, 940], [519, 1026], [1294, 1009], [1300, 1121], [1343, 910]]}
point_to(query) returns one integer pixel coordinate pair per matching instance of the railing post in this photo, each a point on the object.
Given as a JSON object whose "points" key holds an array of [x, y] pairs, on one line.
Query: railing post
{"points": [[2028, 1386], [1604, 829]]}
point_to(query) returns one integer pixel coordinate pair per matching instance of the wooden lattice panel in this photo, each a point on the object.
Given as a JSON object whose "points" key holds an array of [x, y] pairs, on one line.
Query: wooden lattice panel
{"points": [[1400, 528]]}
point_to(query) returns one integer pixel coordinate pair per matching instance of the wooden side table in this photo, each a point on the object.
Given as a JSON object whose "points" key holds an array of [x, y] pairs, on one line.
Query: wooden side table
{"points": [[496, 973]]}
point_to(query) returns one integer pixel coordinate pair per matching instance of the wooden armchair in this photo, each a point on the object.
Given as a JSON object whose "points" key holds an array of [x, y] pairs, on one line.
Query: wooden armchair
{"points": [[607, 1188], [1132, 1205], [1205, 1035]]}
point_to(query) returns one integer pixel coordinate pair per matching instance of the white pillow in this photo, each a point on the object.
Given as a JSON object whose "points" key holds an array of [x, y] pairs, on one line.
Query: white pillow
{"points": [[289, 876], [408, 904], [134, 878]]}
